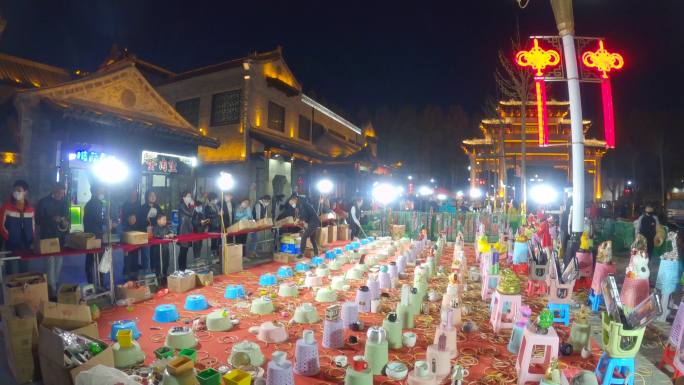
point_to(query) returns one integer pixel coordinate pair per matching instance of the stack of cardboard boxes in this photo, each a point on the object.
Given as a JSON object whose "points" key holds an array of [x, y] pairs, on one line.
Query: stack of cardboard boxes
{"points": [[29, 321]]}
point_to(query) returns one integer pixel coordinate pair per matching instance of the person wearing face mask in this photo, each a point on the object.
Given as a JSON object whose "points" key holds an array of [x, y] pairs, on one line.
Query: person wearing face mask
{"points": [[145, 218], [228, 210], [307, 214], [17, 224], [52, 219], [646, 226], [199, 225], [131, 259], [355, 216], [212, 213], [94, 222], [160, 263], [185, 214], [243, 212]]}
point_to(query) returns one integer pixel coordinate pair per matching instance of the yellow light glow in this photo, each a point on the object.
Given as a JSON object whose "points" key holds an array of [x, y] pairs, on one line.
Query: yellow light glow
{"points": [[273, 70], [8, 158], [292, 131], [257, 118]]}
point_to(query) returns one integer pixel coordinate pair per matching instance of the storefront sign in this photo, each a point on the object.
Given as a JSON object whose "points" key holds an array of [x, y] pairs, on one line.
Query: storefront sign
{"points": [[87, 156], [158, 163]]}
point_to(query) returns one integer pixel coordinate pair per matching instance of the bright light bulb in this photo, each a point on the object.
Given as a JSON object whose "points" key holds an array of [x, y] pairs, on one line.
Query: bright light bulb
{"points": [[425, 191], [475, 193], [543, 194], [324, 186], [225, 181], [110, 170], [441, 197], [385, 193]]}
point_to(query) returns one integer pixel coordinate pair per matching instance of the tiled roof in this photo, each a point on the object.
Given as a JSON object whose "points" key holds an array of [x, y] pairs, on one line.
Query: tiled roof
{"points": [[25, 73]]}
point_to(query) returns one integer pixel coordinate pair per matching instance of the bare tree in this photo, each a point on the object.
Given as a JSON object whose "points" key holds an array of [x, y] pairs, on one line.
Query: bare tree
{"points": [[516, 83]]}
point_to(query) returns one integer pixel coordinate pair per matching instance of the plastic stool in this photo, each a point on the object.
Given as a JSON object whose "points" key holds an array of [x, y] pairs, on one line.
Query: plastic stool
{"points": [[235, 292], [585, 261], [498, 318], [563, 310], [596, 300], [526, 358], [535, 287], [606, 367], [560, 292], [489, 282], [618, 342]]}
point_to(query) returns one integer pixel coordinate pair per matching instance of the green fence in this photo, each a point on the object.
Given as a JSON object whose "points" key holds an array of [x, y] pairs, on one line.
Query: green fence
{"points": [[439, 222]]}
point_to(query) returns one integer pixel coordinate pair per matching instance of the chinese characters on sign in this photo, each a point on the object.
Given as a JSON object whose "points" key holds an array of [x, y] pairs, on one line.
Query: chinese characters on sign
{"points": [[154, 162]]}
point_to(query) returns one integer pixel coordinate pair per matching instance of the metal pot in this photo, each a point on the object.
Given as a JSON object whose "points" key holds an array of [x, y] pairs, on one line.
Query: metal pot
{"points": [[376, 334]]}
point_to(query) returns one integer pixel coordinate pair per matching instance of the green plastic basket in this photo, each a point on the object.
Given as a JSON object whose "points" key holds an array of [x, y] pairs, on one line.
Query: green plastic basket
{"points": [[618, 342]]}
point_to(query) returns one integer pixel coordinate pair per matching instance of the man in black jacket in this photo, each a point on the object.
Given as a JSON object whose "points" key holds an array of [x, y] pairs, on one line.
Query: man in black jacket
{"points": [[94, 223], [52, 218], [307, 214]]}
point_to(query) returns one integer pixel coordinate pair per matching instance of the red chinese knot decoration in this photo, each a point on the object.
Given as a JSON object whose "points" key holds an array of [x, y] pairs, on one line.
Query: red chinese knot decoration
{"points": [[604, 61], [539, 59]]}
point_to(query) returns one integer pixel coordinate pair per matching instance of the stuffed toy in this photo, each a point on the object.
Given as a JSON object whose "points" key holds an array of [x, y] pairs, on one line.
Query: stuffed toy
{"points": [[659, 236], [638, 266], [639, 244], [605, 252]]}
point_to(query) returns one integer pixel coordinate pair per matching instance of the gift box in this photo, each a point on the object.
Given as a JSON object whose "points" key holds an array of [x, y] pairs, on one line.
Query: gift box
{"points": [[83, 241], [134, 237], [64, 316]]}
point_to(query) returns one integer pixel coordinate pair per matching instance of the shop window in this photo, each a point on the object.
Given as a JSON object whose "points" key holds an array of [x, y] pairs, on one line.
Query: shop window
{"points": [[276, 117], [304, 128], [189, 109], [225, 108], [317, 131]]}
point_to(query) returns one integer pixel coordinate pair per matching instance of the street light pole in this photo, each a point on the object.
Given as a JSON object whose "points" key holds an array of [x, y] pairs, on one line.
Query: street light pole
{"points": [[562, 11]]}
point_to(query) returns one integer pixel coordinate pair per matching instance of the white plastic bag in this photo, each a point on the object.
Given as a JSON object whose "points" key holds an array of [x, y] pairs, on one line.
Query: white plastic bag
{"points": [[106, 260], [104, 375]]}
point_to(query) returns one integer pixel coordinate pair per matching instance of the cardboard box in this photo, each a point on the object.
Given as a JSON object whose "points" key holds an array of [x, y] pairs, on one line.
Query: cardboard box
{"points": [[205, 279], [181, 284], [136, 294], [321, 237], [343, 233], [284, 257], [64, 316], [285, 221], [46, 246], [245, 224], [232, 258], [332, 233], [69, 294], [20, 332], [134, 237], [51, 352], [83, 241], [265, 223], [29, 288]]}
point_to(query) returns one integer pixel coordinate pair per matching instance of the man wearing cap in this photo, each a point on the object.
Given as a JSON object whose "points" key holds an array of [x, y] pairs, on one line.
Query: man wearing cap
{"points": [[52, 219], [647, 224]]}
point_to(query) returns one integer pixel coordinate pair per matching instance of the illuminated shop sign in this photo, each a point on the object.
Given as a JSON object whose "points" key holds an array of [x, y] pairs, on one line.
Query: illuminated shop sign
{"points": [[160, 163]]}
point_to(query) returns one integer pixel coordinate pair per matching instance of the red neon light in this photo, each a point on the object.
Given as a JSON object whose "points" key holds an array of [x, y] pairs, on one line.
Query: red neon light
{"points": [[603, 60], [537, 58], [540, 90], [608, 118]]}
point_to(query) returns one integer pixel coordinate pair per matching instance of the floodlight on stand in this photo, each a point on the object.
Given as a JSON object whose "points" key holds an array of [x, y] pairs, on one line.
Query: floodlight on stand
{"points": [[110, 170], [410, 177], [459, 194], [441, 197], [324, 186], [543, 194], [475, 193], [385, 193], [425, 191], [225, 181]]}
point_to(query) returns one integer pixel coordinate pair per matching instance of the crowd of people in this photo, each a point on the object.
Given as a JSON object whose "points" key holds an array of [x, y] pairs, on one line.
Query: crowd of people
{"points": [[22, 224]]}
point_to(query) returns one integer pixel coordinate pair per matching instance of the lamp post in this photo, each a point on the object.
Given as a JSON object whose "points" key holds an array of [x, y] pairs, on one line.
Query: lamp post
{"points": [[562, 11], [109, 171]]}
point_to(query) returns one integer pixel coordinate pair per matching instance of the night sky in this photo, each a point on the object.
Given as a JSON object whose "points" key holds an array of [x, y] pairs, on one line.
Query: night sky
{"points": [[361, 56]]}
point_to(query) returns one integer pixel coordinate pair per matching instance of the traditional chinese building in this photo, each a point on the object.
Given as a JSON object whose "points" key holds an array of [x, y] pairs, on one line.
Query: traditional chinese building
{"points": [[58, 124], [272, 135], [499, 150]]}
